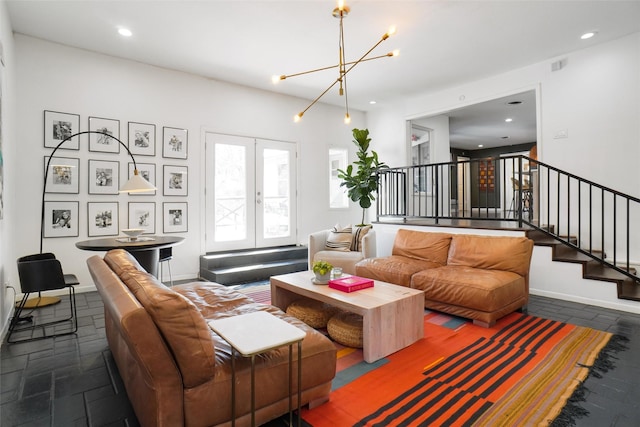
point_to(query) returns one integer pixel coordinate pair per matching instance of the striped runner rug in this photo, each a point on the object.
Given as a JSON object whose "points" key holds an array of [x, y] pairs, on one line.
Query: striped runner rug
{"points": [[520, 372]]}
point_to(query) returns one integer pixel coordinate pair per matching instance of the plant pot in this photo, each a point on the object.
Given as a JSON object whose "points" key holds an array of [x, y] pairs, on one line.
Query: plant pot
{"points": [[323, 278]]}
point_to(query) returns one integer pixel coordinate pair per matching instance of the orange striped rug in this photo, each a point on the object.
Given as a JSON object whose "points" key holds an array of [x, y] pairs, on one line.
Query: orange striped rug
{"points": [[520, 372]]}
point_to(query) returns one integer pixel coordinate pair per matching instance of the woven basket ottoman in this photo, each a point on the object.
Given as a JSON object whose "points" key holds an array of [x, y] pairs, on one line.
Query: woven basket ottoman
{"points": [[314, 313], [346, 329]]}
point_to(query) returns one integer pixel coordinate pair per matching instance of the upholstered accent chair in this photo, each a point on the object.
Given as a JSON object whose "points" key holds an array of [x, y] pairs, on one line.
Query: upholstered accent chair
{"points": [[342, 247]]}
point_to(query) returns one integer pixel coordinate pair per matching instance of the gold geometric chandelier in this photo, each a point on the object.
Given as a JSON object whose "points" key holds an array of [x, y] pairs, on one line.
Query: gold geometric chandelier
{"points": [[341, 12]]}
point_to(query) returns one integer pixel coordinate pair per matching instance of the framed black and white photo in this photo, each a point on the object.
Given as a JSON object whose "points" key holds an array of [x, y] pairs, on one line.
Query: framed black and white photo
{"points": [[63, 176], [104, 143], [103, 218], [60, 219], [142, 139], [59, 126], [143, 215], [175, 181], [175, 217], [104, 177], [148, 172], [174, 143]]}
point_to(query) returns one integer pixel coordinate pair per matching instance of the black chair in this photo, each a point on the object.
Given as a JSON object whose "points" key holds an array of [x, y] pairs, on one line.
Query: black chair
{"points": [[39, 273], [165, 255]]}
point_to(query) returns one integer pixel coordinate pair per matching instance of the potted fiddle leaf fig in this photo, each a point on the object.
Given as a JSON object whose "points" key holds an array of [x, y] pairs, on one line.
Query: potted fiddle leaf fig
{"points": [[361, 178]]}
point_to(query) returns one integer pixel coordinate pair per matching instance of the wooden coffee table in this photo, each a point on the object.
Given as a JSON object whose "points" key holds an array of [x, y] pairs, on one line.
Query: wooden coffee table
{"points": [[393, 316]]}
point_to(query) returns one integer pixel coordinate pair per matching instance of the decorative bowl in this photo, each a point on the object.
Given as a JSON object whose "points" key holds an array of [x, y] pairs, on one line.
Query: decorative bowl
{"points": [[133, 233]]}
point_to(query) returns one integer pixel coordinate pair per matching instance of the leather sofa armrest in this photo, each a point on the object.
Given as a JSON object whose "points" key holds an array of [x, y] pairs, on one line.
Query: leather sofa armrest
{"points": [[317, 242]]}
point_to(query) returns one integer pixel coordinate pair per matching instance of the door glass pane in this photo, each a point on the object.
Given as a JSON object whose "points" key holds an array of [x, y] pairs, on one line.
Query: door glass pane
{"points": [[276, 200], [230, 192]]}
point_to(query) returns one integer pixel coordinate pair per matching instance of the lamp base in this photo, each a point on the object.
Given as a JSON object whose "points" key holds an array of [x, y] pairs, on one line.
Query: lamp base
{"points": [[41, 302]]}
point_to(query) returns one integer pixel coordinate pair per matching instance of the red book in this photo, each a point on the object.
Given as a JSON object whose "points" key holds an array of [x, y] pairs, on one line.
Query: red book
{"points": [[350, 283]]}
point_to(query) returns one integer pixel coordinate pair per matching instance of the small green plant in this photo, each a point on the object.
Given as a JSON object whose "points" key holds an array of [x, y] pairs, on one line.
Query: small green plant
{"points": [[322, 267], [364, 182]]}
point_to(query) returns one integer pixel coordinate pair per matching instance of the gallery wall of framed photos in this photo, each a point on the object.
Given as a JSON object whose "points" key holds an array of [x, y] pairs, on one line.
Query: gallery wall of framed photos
{"points": [[160, 152]]}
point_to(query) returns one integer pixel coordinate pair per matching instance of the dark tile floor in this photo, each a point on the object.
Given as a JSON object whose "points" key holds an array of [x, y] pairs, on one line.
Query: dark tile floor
{"points": [[73, 381]]}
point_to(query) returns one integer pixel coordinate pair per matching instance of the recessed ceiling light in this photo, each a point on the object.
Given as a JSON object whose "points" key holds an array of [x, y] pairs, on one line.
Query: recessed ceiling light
{"points": [[480, 145], [372, 102], [125, 32], [508, 120], [588, 35]]}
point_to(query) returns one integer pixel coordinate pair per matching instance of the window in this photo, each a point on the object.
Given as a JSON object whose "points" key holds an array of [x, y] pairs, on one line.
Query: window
{"points": [[337, 195]]}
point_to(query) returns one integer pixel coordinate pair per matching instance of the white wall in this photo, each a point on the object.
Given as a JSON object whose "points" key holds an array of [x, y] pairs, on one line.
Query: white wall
{"points": [[595, 98], [7, 88], [60, 78]]}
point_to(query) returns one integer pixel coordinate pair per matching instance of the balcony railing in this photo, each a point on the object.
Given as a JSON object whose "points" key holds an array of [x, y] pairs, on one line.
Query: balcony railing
{"points": [[599, 222]]}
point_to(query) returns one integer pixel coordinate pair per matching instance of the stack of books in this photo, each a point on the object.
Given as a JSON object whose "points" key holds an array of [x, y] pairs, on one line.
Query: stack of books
{"points": [[350, 283]]}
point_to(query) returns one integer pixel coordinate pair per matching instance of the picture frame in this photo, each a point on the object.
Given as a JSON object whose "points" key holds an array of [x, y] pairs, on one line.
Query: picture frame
{"points": [[63, 176], [174, 143], [103, 143], [103, 219], [148, 172], [61, 219], [175, 180], [58, 126], [143, 215], [175, 217], [104, 176], [142, 139]]}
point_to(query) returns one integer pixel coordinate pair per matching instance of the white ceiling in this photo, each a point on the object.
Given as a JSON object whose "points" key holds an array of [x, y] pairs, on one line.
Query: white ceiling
{"points": [[442, 43]]}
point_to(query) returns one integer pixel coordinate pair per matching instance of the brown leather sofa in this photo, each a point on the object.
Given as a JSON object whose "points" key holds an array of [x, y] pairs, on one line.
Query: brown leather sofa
{"points": [[477, 277], [176, 370]]}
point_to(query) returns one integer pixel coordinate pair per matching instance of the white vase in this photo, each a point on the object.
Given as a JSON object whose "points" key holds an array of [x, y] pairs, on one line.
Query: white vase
{"points": [[323, 278]]}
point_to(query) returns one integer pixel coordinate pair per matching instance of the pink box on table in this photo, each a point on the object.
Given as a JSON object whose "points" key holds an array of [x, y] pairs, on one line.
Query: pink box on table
{"points": [[350, 283]]}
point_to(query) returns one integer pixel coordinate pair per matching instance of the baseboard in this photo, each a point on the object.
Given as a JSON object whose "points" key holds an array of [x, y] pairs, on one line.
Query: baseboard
{"points": [[629, 307]]}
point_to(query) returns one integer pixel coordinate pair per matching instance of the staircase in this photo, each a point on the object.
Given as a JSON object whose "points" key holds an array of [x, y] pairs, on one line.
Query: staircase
{"points": [[253, 265], [628, 288], [604, 221]]}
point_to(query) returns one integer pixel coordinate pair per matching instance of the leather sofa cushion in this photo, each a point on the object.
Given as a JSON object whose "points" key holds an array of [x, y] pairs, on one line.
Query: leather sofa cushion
{"points": [[181, 324], [491, 252], [433, 247], [476, 288], [393, 269]]}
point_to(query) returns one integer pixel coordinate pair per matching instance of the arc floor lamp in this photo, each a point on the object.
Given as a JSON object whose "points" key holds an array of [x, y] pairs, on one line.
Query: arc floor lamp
{"points": [[135, 184]]}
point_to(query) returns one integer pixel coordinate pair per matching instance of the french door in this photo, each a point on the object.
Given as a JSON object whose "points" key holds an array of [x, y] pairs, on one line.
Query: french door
{"points": [[250, 192]]}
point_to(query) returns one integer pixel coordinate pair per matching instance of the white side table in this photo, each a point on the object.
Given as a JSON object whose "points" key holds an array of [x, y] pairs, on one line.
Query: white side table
{"points": [[254, 333]]}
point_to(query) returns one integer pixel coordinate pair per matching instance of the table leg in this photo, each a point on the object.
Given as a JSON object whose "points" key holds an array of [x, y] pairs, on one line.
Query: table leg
{"points": [[299, 382], [253, 390], [290, 382], [233, 387]]}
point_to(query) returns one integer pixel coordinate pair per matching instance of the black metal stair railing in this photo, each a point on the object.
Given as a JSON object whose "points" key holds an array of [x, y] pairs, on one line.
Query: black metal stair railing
{"points": [[591, 218]]}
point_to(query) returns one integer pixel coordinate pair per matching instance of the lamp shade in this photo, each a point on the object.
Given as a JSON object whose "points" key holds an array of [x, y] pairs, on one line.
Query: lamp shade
{"points": [[137, 184]]}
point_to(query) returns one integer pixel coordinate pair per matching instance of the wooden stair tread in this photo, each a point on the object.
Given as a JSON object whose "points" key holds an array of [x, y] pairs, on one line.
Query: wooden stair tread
{"points": [[595, 270], [629, 290]]}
